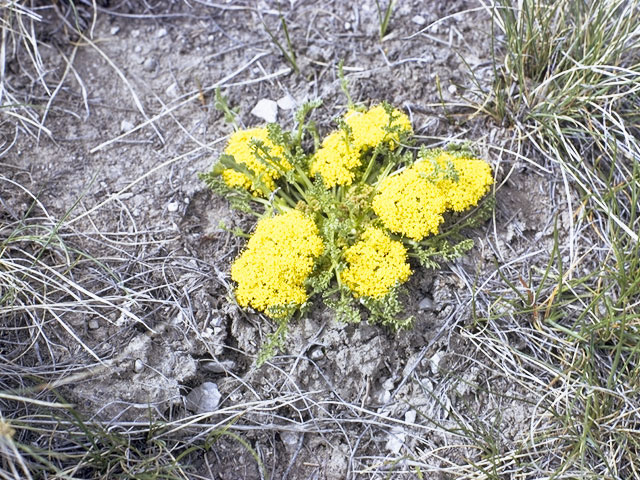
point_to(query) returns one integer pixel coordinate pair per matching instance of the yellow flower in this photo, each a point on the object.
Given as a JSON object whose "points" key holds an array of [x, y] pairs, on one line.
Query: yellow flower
{"points": [[369, 128], [279, 257], [376, 264], [236, 179], [340, 155], [240, 148], [409, 204], [335, 160], [462, 188]]}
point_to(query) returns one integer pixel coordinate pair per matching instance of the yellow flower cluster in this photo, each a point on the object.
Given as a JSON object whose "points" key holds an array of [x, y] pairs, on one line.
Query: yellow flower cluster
{"points": [[278, 259], [340, 154], [409, 204], [376, 264], [412, 203], [472, 183], [370, 128], [239, 147]]}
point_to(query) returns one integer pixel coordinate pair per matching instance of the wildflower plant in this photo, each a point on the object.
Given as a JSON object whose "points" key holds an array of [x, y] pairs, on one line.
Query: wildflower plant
{"points": [[344, 218]]}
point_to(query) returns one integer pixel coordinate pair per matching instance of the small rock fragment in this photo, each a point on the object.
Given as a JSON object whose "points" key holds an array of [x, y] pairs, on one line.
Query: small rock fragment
{"points": [[173, 91], [316, 353], [290, 439], [418, 20], [93, 324], [426, 304], [397, 437], [204, 399], [114, 30], [161, 32], [138, 366], [452, 89], [266, 109], [172, 207], [219, 366], [410, 416], [126, 126], [150, 64], [435, 362], [287, 102]]}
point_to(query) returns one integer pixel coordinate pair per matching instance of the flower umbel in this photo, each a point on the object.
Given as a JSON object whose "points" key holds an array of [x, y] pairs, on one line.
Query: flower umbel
{"points": [[376, 126], [240, 147], [376, 264], [279, 257], [410, 205], [462, 179], [341, 152]]}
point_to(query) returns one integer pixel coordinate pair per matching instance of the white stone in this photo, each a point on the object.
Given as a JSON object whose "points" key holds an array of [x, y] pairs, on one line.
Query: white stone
{"points": [[173, 206], [290, 439], [161, 32], [173, 91], [452, 89], [287, 102], [418, 20], [435, 362], [410, 416], [126, 126], [114, 30], [138, 366], [426, 304], [397, 437], [204, 399], [266, 109]]}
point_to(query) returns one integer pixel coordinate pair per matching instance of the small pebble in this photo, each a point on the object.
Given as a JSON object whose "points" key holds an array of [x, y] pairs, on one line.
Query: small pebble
{"points": [[138, 366], [410, 416], [419, 20], [316, 353], [93, 324], [452, 89], [126, 126], [203, 399], [396, 440], [138, 48], [161, 33], [435, 362], [290, 439], [150, 64], [173, 91], [219, 366], [347, 25], [135, 33], [114, 30], [426, 304], [287, 103], [173, 206], [266, 109]]}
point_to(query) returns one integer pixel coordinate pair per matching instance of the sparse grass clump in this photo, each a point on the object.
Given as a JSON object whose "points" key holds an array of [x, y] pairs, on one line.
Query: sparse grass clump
{"points": [[567, 81], [342, 217]]}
